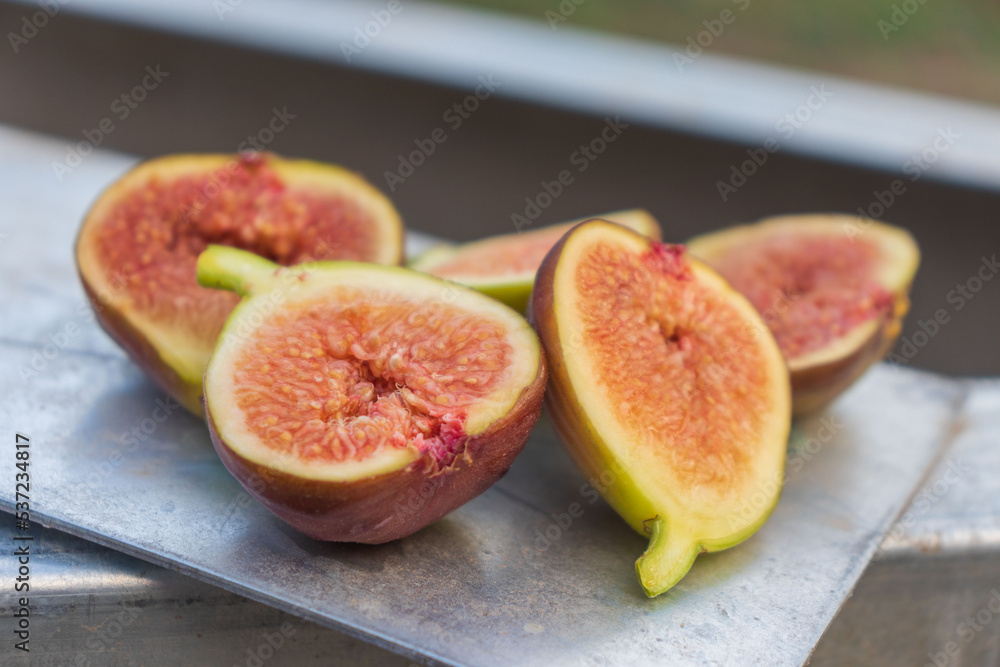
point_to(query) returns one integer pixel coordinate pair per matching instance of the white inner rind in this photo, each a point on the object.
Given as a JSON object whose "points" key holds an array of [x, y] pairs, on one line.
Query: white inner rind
{"points": [[703, 514], [385, 285]]}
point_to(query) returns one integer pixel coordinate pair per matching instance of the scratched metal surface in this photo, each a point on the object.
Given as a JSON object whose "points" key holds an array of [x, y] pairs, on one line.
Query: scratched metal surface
{"points": [[478, 587]]}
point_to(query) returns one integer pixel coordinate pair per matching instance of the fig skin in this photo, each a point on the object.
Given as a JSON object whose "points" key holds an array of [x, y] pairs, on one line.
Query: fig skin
{"points": [[139, 349], [515, 289], [393, 504], [180, 375], [383, 508], [668, 558], [818, 382], [815, 387]]}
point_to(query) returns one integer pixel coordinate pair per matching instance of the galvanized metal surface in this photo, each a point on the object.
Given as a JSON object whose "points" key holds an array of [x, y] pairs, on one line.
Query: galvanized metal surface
{"points": [[94, 606], [91, 606], [482, 586]]}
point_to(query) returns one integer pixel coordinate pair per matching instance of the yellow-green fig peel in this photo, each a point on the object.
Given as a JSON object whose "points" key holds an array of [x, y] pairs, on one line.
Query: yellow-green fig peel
{"points": [[340, 391], [138, 245], [660, 370], [504, 266]]}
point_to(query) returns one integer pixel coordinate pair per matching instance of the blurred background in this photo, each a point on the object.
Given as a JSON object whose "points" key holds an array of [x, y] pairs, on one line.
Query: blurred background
{"points": [[853, 93], [946, 48], [364, 84], [856, 95]]}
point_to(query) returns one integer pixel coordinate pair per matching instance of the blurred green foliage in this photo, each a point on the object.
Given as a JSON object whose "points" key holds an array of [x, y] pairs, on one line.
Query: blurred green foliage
{"points": [[945, 46]]}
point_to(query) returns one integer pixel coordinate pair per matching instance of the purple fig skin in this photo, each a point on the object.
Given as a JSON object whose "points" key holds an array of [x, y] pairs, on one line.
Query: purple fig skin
{"points": [[568, 417], [816, 387], [816, 384], [383, 508]]}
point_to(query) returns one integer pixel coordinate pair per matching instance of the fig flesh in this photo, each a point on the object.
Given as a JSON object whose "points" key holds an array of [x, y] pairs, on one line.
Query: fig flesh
{"points": [[504, 266], [360, 402], [666, 378], [137, 248], [833, 289]]}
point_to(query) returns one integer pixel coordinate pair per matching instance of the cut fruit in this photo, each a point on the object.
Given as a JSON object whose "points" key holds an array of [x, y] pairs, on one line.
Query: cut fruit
{"points": [[504, 266], [360, 403], [137, 249], [667, 379], [833, 289]]}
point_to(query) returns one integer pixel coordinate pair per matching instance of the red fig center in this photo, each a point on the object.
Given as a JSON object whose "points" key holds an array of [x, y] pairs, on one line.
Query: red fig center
{"points": [[503, 255], [810, 290], [151, 239], [343, 378], [675, 358]]}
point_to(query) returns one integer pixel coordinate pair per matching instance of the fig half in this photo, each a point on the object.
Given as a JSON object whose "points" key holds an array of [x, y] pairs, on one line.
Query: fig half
{"points": [[137, 249], [664, 377], [504, 266], [360, 402], [832, 288]]}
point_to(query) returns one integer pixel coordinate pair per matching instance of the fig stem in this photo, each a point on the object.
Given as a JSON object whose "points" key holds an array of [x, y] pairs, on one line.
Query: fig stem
{"points": [[667, 559], [223, 267]]}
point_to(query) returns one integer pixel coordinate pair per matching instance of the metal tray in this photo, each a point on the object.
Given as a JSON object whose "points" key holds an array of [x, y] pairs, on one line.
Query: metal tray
{"points": [[477, 588]]}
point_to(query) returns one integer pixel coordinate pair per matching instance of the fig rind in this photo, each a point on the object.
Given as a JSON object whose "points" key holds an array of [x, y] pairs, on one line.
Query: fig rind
{"points": [[637, 493], [820, 376], [514, 289], [368, 501], [176, 362]]}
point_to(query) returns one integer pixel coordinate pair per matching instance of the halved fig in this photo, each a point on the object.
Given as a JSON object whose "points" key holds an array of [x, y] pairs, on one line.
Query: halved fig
{"points": [[664, 377], [504, 267], [832, 288], [137, 249], [360, 402]]}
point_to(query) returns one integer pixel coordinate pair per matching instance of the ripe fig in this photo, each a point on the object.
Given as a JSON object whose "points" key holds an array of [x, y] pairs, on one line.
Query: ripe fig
{"points": [[504, 266], [833, 289], [664, 377], [138, 245], [359, 402]]}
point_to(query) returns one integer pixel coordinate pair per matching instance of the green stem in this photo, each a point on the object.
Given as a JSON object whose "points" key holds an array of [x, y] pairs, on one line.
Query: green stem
{"points": [[667, 559], [245, 273]]}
